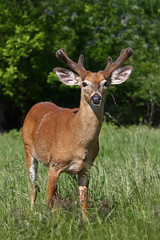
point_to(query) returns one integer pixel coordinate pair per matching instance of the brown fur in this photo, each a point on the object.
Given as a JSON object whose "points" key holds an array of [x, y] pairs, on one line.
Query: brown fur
{"points": [[66, 140]]}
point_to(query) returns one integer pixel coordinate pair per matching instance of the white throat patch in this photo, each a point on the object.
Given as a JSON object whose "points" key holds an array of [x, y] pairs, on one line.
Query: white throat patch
{"points": [[95, 107]]}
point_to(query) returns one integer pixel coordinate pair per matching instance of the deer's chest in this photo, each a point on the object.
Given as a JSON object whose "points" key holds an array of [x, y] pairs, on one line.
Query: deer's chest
{"points": [[72, 163]]}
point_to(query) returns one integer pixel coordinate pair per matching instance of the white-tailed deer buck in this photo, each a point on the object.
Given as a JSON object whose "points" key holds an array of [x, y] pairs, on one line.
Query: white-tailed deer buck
{"points": [[66, 140]]}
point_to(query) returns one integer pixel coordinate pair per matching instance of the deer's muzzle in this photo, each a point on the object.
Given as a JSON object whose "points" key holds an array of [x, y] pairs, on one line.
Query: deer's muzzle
{"points": [[96, 99]]}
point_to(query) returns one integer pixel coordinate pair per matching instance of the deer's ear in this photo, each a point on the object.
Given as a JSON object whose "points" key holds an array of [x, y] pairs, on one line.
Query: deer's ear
{"points": [[67, 77], [120, 75]]}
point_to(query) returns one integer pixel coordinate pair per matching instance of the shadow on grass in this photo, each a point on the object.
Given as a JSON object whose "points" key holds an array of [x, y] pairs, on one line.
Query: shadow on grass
{"points": [[100, 208]]}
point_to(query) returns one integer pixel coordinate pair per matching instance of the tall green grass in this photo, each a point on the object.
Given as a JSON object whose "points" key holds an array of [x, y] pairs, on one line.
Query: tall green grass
{"points": [[124, 193]]}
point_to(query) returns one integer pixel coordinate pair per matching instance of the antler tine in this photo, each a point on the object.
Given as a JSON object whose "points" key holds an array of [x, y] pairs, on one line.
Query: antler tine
{"points": [[109, 64], [77, 67], [124, 55], [80, 60]]}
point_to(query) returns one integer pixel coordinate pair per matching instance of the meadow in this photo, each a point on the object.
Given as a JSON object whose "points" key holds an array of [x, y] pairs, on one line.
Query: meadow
{"points": [[124, 193]]}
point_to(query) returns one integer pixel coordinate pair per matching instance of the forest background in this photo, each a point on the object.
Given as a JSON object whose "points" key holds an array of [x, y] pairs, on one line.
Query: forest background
{"points": [[31, 31]]}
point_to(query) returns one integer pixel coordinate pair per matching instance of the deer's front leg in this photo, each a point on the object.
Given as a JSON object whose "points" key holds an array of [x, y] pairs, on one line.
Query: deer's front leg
{"points": [[83, 183], [52, 182]]}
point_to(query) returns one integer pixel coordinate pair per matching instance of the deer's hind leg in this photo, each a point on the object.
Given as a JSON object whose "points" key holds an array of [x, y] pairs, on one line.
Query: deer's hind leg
{"points": [[32, 165]]}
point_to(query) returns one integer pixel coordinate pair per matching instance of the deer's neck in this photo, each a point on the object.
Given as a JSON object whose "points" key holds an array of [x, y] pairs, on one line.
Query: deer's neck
{"points": [[87, 123]]}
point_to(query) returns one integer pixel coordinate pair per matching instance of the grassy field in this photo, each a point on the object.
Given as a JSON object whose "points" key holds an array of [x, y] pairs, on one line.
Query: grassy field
{"points": [[124, 191]]}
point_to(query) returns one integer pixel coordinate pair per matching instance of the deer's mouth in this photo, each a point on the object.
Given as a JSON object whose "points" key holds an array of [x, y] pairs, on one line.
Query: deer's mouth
{"points": [[96, 104]]}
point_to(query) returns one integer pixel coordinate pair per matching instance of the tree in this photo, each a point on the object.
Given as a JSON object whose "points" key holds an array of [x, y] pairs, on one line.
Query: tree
{"points": [[32, 31]]}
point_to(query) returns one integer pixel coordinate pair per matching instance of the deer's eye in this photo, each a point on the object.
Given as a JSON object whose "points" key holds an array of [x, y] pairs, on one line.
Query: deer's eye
{"points": [[105, 84], [84, 84]]}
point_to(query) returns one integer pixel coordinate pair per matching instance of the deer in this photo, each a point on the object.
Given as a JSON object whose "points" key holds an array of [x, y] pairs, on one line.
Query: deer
{"points": [[67, 140]]}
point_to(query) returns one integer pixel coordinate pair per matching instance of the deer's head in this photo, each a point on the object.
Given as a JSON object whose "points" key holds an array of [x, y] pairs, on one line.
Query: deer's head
{"points": [[94, 85]]}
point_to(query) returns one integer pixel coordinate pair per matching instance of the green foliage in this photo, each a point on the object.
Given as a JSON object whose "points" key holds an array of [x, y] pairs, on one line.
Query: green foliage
{"points": [[124, 191], [32, 31]]}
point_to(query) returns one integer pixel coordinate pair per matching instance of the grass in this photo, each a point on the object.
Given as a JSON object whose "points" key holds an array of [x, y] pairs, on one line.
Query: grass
{"points": [[124, 191]]}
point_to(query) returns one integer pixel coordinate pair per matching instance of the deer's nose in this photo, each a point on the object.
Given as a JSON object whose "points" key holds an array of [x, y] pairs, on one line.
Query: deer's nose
{"points": [[96, 99]]}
